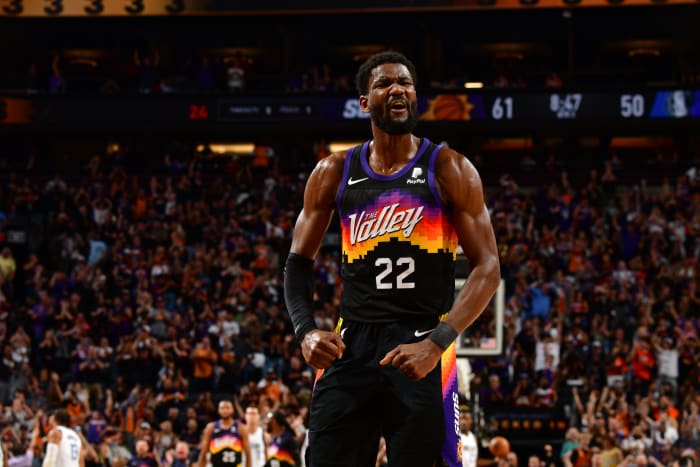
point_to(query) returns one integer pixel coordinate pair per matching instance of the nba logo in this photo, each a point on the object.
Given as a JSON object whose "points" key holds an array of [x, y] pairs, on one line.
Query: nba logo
{"points": [[417, 172]]}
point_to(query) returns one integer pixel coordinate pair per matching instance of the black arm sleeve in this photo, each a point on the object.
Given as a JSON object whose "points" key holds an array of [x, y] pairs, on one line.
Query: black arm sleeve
{"points": [[299, 292]]}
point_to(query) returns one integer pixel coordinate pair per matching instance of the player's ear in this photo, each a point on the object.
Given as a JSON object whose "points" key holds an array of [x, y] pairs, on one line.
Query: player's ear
{"points": [[364, 104]]}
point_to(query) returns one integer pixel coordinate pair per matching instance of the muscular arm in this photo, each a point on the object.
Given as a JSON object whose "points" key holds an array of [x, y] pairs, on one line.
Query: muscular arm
{"points": [[204, 445], [319, 204], [245, 442], [87, 451], [81, 458], [462, 192], [52, 440], [320, 348]]}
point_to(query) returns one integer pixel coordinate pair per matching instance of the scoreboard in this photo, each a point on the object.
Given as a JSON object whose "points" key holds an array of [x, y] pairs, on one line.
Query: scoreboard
{"points": [[557, 106], [482, 108]]}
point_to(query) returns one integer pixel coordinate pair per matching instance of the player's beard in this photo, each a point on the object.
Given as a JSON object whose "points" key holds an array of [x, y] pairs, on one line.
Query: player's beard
{"points": [[380, 115]]}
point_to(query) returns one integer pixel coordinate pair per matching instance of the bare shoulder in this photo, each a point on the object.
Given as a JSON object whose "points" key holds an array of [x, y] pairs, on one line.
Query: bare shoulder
{"points": [[208, 428], [54, 436], [330, 166], [455, 175], [452, 163], [324, 180]]}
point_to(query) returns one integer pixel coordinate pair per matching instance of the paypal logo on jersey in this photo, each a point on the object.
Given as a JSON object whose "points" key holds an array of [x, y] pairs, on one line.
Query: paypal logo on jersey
{"points": [[352, 110], [415, 177]]}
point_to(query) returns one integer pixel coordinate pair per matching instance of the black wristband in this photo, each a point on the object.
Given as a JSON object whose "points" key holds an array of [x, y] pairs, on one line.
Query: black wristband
{"points": [[299, 293], [443, 335]]}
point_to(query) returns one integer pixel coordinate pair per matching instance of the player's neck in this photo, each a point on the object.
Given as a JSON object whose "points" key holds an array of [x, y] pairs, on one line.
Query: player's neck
{"points": [[389, 153], [226, 422]]}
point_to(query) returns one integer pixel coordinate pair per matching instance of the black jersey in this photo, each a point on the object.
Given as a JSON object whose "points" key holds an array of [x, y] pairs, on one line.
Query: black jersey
{"points": [[398, 241], [283, 451], [225, 448]]}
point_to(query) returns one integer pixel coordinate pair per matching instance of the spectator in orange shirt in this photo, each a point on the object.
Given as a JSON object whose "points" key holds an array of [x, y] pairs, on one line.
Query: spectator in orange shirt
{"points": [[643, 362], [204, 358], [262, 252], [262, 155], [665, 406], [273, 389], [76, 403], [141, 205]]}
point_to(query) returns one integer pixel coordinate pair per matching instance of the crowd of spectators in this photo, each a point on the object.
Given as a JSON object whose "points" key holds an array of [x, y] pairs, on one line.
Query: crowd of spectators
{"points": [[137, 300], [148, 299], [158, 66], [602, 313], [155, 69], [145, 72]]}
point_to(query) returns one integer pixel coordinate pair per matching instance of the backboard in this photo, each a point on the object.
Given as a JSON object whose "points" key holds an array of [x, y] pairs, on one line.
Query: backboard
{"points": [[484, 338]]}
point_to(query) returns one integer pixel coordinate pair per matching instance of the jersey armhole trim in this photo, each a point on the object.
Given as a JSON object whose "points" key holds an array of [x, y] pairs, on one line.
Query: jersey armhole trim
{"points": [[431, 176], [349, 155]]}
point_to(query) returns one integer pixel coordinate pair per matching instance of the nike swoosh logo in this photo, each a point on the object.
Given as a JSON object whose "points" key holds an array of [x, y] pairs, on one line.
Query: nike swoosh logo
{"points": [[352, 182], [422, 333]]}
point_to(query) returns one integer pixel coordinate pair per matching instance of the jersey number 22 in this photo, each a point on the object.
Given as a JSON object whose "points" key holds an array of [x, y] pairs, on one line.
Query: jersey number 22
{"points": [[405, 266]]}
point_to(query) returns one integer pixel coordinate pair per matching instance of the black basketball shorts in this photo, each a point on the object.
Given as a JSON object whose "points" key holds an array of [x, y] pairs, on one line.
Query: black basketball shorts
{"points": [[356, 400]]}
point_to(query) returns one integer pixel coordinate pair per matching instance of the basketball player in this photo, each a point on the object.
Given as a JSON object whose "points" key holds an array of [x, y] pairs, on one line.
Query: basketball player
{"points": [[63, 445], [225, 440], [283, 450], [3, 454], [404, 205], [470, 449], [256, 436]]}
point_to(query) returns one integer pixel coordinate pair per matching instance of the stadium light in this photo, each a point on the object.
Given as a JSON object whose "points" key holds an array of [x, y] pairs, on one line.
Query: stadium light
{"points": [[337, 146], [221, 149]]}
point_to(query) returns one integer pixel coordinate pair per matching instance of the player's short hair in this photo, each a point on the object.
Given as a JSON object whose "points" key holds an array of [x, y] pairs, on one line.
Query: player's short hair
{"points": [[281, 419], [380, 58], [62, 417]]}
